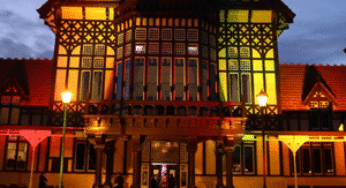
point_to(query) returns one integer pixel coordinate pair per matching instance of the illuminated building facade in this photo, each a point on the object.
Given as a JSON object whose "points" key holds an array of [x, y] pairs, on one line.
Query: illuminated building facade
{"points": [[169, 87]]}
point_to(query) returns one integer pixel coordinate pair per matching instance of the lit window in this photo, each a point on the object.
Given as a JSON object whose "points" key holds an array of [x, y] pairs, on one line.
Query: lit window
{"points": [[166, 80], [245, 65], [153, 34], [192, 34], [180, 49], [233, 65], [100, 50], [139, 79], [141, 34], [128, 36], [153, 48], [120, 53], [324, 104], [179, 34], [140, 48], [246, 87], [313, 104], [86, 62], [193, 79], [192, 49], [121, 39], [128, 50], [314, 159], [244, 52], [166, 34], [232, 52], [98, 62], [17, 152], [87, 49], [166, 48]]}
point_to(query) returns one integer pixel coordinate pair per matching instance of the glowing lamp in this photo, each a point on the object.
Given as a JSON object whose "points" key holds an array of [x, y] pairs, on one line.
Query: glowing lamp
{"points": [[262, 98], [66, 96]]}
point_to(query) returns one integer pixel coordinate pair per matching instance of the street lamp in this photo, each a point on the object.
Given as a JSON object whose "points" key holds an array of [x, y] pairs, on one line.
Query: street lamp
{"points": [[66, 97], [262, 99]]}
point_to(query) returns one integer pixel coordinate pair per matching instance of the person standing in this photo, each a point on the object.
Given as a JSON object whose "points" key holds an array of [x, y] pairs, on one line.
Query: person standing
{"points": [[119, 180], [43, 180], [153, 183]]}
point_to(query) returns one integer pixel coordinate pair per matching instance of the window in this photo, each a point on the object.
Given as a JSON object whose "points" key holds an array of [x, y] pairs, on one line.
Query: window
{"points": [[141, 34], [205, 54], [128, 36], [140, 48], [153, 48], [119, 80], [244, 52], [192, 49], [213, 82], [121, 39], [128, 50], [179, 79], [92, 81], [179, 34], [166, 48], [9, 110], [154, 34], [120, 52], [233, 87], [179, 49], [193, 82], [152, 80], [166, 34], [127, 79], [85, 157], [243, 159], [139, 78], [314, 159], [166, 81], [192, 35], [17, 153], [205, 80], [246, 85]]}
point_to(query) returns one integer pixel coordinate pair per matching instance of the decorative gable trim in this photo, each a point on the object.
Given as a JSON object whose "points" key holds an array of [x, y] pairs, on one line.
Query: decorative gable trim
{"points": [[320, 93], [12, 87]]}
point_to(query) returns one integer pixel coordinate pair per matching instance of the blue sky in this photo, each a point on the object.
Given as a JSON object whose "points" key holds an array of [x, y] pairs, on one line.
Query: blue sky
{"points": [[317, 36]]}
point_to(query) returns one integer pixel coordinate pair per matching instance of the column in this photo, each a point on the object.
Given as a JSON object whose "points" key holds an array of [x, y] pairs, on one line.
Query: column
{"points": [[229, 166], [191, 149], [137, 157], [109, 150], [99, 144], [219, 155]]}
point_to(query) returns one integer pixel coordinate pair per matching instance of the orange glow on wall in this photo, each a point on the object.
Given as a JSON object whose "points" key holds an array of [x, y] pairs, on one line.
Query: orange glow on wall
{"points": [[261, 16], [59, 84], [95, 13], [72, 13]]}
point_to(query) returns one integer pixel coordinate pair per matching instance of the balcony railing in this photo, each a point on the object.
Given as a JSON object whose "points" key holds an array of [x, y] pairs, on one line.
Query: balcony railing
{"points": [[176, 117]]}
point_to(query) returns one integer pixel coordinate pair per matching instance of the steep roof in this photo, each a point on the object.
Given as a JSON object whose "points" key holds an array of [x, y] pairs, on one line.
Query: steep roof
{"points": [[32, 76], [296, 81]]}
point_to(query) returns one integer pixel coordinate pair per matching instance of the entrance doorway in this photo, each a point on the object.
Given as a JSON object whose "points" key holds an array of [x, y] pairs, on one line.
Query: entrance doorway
{"points": [[165, 174]]}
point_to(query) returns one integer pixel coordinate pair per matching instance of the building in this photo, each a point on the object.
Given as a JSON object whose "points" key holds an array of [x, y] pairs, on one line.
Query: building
{"points": [[169, 87]]}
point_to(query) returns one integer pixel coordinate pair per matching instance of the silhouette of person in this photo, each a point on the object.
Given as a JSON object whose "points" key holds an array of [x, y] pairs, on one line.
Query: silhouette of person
{"points": [[119, 181], [43, 180]]}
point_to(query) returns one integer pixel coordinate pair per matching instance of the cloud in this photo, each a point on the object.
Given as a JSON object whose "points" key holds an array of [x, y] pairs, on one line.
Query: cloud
{"points": [[24, 38], [10, 49]]}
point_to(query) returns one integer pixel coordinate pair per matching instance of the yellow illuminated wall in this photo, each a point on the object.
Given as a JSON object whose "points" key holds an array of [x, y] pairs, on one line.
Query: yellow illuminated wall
{"points": [[247, 55]]}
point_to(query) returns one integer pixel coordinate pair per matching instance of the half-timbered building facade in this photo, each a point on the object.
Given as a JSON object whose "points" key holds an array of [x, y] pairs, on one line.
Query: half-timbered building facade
{"points": [[164, 88]]}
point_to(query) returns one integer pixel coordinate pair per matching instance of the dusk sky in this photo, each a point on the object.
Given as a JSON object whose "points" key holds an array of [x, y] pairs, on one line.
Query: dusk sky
{"points": [[317, 36]]}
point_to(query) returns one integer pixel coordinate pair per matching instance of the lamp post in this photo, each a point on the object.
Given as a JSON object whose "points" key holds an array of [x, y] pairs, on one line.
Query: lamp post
{"points": [[66, 98], [262, 98]]}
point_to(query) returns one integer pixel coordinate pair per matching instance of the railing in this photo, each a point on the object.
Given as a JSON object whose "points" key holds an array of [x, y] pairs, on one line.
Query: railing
{"points": [[165, 108], [172, 117]]}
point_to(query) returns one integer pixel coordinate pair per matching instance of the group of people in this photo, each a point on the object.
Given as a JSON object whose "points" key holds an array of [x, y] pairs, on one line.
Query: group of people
{"points": [[164, 182]]}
